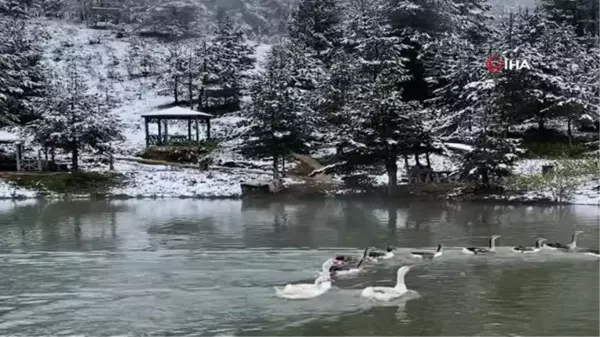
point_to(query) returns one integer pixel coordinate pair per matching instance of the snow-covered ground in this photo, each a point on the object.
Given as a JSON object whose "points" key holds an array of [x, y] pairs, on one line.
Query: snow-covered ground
{"points": [[174, 182], [103, 55]]}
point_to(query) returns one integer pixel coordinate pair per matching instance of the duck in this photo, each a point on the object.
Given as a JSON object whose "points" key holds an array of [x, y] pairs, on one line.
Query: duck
{"points": [[376, 256], [571, 246], [534, 249], [348, 268], [303, 291], [348, 259], [481, 250], [327, 266], [428, 255], [388, 293]]}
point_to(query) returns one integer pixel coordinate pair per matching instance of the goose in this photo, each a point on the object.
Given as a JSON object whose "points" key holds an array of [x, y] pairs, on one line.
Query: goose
{"points": [[305, 291], [428, 255], [536, 248], [388, 293], [480, 250], [571, 246], [348, 268], [376, 256]]}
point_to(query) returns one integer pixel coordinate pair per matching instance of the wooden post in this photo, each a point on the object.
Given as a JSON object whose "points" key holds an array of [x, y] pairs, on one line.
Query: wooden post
{"points": [[190, 130], [159, 132], [40, 167], [197, 131], [147, 132], [207, 128], [18, 156]]}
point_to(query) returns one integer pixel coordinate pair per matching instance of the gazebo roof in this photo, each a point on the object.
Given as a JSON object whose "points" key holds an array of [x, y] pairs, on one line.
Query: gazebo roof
{"points": [[177, 113], [9, 137]]}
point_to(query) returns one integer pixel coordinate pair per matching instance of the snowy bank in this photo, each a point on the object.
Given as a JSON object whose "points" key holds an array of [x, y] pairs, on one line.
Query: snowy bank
{"points": [[172, 182], [160, 181]]}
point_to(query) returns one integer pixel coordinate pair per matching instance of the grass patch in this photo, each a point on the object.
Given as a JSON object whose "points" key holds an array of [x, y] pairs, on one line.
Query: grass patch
{"points": [[68, 182], [554, 144], [561, 182], [556, 149], [185, 152]]}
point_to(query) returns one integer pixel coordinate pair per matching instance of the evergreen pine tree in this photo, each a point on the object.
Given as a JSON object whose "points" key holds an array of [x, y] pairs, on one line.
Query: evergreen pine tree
{"points": [[76, 118], [315, 24], [581, 14], [280, 114], [231, 58], [22, 79]]}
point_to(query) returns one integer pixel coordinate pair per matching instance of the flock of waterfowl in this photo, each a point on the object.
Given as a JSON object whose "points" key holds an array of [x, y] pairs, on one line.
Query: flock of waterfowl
{"points": [[350, 265]]}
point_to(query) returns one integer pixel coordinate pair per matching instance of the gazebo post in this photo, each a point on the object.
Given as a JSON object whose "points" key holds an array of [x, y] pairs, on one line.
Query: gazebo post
{"points": [[207, 128], [189, 130], [166, 131], [197, 131], [147, 129], [159, 122], [18, 155]]}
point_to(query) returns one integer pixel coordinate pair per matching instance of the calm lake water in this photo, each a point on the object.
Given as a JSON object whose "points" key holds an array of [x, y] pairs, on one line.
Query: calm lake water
{"points": [[189, 267]]}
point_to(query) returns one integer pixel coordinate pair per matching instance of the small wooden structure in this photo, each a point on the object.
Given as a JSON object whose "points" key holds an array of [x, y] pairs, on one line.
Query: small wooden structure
{"points": [[423, 174], [11, 138], [102, 12], [163, 117], [21, 164]]}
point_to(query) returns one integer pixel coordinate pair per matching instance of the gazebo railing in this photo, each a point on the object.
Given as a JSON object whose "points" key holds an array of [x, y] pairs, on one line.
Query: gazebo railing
{"points": [[157, 140]]}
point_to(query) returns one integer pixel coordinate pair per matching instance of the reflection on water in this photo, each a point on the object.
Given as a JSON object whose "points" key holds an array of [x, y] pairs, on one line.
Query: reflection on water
{"points": [[188, 267]]}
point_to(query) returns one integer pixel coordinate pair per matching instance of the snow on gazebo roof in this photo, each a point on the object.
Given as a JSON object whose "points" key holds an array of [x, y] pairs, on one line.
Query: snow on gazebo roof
{"points": [[177, 112], [9, 137]]}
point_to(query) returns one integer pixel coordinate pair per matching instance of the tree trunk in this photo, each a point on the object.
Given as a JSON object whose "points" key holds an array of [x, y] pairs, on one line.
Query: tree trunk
{"points": [[176, 90], [541, 124], [75, 157], [191, 92], [569, 131], [485, 177], [283, 166], [275, 168], [392, 171], [417, 160], [428, 159]]}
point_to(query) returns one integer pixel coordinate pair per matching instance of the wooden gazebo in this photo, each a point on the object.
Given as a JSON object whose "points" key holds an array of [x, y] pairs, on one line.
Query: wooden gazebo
{"points": [[162, 118]]}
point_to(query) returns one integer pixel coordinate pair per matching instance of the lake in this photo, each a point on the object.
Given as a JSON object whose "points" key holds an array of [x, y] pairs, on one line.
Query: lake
{"points": [[193, 267]]}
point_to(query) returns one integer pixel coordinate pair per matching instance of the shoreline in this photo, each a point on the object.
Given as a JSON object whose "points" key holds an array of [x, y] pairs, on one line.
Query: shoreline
{"points": [[292, 196]]}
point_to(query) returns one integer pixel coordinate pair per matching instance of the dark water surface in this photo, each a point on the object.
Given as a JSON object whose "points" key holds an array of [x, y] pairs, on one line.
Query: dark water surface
{"points": [[189, 267]]}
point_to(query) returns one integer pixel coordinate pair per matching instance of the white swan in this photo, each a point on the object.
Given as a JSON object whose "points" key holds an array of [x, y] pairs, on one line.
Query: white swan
{"points": [[305, 291], [388, 293]]}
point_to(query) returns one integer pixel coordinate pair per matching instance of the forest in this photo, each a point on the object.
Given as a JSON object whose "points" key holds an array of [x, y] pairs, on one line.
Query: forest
{"points": [[381, 80]]}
